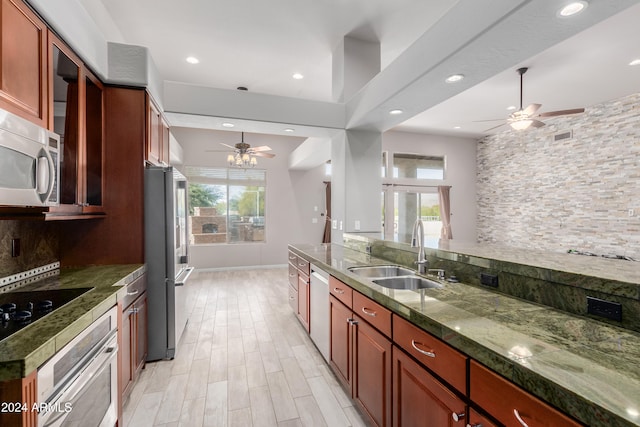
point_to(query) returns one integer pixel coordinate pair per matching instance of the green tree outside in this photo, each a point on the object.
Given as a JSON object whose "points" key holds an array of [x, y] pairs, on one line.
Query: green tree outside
{"points": [[202, 195]]}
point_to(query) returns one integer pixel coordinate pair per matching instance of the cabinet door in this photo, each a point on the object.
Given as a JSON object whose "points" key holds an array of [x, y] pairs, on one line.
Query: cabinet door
{"points": [[93, 145], [165, 145], [154, 135], [66, 118], [126, 347], [477, 420], [141, 334], [340, 341], [419, 399], [303, 300], [372, 372], [23, 59]]}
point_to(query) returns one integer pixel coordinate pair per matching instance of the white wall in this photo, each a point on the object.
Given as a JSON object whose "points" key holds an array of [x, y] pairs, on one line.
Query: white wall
{"points": [[460, 173], [290, 199]]}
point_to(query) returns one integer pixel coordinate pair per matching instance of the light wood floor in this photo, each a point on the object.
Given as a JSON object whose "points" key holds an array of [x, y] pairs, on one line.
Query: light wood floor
{"points": [[244, 360]]}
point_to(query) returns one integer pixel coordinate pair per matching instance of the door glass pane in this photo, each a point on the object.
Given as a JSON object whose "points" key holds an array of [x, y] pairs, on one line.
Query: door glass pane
{"points": [[246, 213], [410, 205]]}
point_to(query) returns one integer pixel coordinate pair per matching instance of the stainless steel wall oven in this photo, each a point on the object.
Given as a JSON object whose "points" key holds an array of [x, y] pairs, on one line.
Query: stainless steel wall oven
{"points": [[79, 385]]}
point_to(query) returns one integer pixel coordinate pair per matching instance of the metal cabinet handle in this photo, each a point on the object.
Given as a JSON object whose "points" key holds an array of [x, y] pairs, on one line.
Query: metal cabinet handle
{"points": [[426, 353], [292, 275], [135, 292], [458, 416], [338, 290], [292, 257], [520, 420], [474, 425], [369, 312], [352, 322]]}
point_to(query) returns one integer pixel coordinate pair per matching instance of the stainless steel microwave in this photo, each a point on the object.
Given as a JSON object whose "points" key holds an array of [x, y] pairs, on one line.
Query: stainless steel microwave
{"points": [[29, 163]]}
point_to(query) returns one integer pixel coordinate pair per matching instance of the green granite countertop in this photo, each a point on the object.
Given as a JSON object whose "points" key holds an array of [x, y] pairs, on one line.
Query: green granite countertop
{"points": [[27, 349], [586, 368]]}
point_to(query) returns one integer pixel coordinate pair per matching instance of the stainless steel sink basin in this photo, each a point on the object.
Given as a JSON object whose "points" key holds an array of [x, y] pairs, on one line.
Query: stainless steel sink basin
{"points": [[407, 282], [381, 271]]}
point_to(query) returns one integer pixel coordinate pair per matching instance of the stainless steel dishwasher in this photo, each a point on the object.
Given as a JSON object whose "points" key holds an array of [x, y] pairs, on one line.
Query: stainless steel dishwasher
{"points": [[319, 310]]}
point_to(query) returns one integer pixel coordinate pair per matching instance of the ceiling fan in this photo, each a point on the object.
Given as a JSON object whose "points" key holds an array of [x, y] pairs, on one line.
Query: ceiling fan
{"points": [[244, 155], [527, 117]]}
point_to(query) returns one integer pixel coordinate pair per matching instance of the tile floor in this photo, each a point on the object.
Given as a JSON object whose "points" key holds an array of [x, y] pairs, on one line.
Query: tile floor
{"points": [[244, 360]]}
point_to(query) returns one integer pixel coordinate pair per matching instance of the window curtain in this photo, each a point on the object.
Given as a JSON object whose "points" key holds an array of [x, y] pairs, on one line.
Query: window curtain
{"points": [[326, 238], [445, 211]]}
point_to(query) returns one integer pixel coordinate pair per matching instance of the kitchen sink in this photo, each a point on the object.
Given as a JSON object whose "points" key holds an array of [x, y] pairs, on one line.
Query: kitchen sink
{"points": [[407, 282], [381, 271]]}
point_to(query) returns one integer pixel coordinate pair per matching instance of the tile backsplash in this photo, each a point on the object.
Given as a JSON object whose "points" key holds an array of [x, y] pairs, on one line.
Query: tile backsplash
{"points": [[38, 245]]}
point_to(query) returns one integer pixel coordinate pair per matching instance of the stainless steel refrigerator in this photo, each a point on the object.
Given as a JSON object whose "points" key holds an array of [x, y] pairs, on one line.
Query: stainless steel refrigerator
{"points": [[167, 258]]}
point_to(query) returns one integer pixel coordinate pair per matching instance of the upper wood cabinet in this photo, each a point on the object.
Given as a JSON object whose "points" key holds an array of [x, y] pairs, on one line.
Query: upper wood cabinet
{"points": [[77, 115], [23, 60], [157, 143]]}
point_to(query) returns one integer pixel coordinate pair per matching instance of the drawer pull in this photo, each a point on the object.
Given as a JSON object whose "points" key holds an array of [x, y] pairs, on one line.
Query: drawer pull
{"points": [[369, 312], [292, 275], [135, 292], [426, 353], [292, 257], [338, 290], [457, 416], [291, 298], [520, 420], [474, 425]]}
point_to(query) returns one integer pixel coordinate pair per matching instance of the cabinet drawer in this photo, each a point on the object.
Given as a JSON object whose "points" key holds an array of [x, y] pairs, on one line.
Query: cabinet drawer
{"points": [[506, 401], [293, 298], [293, 259], [303, 266], [293, 276], [134, 290], [341, 291], [372, 312], [443, 360]]}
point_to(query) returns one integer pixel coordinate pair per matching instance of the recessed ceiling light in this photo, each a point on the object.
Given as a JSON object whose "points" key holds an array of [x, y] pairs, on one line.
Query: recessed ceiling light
{"points": [[635, 62], [228, 125], [573, 8], [457, 127], [289, 130], [511, 107], [192, 60], [395, 112], [454, 78], [298, 76]]}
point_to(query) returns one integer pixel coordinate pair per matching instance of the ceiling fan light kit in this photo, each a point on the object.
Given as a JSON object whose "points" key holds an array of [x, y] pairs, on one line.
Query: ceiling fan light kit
{"points": [[524, 118], [244, 156]]}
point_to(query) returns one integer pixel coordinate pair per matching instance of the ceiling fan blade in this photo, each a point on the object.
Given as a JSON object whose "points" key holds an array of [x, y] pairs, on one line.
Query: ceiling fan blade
{"points": [[561, 112], [267, 155], [496, 127], [531, 109], [536, 123], [261, 148], [488, 120], [230, 146]]}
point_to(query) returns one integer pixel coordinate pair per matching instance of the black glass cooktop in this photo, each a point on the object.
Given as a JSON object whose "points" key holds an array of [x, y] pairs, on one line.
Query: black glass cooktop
{"points": [[20, 309]]}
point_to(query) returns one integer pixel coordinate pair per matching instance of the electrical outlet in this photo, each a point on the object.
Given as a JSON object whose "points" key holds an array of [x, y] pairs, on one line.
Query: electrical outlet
{"points": [[15, 248], [489, 280], [357, 225], [334, 223], [314, 220], [603, 308]]}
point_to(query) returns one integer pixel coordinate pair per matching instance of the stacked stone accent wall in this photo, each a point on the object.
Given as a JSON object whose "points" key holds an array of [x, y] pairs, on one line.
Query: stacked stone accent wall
{"points": [[534, 192]]}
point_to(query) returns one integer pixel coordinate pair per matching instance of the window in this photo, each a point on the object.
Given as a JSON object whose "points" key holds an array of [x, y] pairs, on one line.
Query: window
{"points": [[418, 166], [404, 205], [226, 205]]}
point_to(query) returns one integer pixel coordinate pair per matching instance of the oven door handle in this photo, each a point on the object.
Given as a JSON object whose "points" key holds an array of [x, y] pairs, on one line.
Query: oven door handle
{"points": [[108, 353]]}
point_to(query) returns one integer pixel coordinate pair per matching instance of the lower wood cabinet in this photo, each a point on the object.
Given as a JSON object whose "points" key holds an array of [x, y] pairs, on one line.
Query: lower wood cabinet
{"points": [[133, 341], [478, 420], [419, 399], [360, 356], [303, 300]]}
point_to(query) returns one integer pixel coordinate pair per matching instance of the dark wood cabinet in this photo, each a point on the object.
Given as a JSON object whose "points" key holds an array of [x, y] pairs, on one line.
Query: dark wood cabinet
{"points": [[340, 346], [371, 383], [515, 406], [478, 420], [158, 135], [299, 289], [133, 340], [419, 399], [360, 355], [76, 113], [23, 55]]}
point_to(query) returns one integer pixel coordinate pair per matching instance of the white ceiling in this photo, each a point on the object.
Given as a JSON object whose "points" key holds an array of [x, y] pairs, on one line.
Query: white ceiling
{"points": [[260, 44]]}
